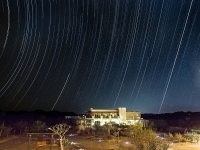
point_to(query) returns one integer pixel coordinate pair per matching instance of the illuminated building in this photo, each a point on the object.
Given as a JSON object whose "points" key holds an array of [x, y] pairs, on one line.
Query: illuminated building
{"points": [[107, 116]]}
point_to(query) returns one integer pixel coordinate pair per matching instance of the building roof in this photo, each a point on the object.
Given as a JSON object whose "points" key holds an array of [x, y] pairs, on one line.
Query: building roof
{"points": [[104, 110]]}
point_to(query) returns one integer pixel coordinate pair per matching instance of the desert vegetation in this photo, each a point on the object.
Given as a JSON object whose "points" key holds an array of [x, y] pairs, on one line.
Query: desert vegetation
{"points": [[158, 133]]}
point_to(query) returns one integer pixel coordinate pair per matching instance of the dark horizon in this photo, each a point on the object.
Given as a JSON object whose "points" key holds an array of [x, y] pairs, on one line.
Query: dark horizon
{"points": [[77, 113], [74, 55]]}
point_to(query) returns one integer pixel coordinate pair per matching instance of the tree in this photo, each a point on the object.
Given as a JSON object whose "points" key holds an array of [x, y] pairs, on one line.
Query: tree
{"points": [[61, 129], [161, 124], [151, 124], [38, 126], [4, 130], [2, 127], [144, 139], [109, 127], [7, 131], [100, 130], [20, 126]]}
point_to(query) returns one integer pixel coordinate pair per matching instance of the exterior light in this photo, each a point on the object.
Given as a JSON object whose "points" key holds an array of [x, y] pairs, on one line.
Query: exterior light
{"points": [[100, 140], [127, 142]]}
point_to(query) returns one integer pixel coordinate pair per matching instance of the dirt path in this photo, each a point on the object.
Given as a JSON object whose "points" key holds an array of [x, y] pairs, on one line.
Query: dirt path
{"points": [[185, 146], [88, 143]]}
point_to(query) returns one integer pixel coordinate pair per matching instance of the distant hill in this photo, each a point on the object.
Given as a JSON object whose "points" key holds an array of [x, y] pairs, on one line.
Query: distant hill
{"points": [[170, 116], [31, 116]]}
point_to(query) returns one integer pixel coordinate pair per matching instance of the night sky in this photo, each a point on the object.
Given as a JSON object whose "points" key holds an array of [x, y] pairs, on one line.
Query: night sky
{"points": [[71, 55]]}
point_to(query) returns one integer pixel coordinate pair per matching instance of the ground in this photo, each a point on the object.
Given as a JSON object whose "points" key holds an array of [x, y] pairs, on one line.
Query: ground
{"points": [[87, 143]]}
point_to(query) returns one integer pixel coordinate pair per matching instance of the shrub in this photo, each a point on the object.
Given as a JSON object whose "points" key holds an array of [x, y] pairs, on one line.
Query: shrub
{"points": [[145, 139]]}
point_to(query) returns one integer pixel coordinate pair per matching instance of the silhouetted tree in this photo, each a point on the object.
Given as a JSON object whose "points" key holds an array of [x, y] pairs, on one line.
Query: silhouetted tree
{"points": [[4, 130], [2, 127], [38, 126], [20, 126]]}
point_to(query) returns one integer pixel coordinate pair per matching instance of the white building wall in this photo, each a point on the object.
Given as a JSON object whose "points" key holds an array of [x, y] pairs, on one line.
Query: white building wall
{"points": [[121, 117], [122, 114]]}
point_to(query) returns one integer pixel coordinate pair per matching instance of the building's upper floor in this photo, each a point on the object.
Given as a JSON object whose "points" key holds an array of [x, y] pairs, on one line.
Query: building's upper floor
{"points": [[113, 113]]}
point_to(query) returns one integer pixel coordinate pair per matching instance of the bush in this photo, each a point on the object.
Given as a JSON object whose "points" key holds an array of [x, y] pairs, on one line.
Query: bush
{"points": [[100, 130], [145, 139], [178, 137]]}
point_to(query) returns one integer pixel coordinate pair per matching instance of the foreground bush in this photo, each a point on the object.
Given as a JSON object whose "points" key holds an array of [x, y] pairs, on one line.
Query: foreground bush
{"points": [[145, 139]]}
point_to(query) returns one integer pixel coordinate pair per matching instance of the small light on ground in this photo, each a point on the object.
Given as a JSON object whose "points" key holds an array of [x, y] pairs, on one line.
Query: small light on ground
{"points": [[73, 143], [127, 142], [100, 140]]}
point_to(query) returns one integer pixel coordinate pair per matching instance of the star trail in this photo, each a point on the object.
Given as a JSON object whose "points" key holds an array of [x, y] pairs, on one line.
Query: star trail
{"points": [[72, 55]]}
